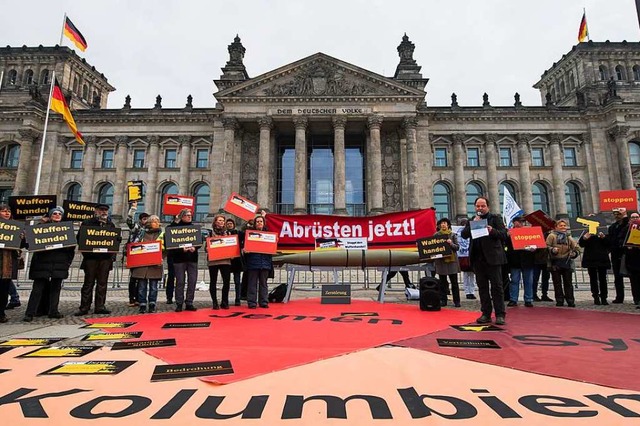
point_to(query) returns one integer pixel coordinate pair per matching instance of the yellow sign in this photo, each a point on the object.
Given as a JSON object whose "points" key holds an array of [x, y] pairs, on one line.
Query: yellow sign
{"points": [[634, 237]]}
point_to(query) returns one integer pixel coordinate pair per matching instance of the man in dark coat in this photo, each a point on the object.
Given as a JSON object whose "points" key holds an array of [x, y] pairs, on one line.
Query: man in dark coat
{"points": [[47, 270], [96, 267], [487, 257]]}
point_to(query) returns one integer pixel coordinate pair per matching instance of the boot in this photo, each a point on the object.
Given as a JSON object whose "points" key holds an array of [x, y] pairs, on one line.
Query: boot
{"points": [[596, 300]]}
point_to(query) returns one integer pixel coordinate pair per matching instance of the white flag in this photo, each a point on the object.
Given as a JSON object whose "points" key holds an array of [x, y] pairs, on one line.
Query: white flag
{"points": [[510, 208]]}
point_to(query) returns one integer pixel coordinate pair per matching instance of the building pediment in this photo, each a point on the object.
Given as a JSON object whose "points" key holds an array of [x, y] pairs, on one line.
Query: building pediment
{"points": [[319, 76]]}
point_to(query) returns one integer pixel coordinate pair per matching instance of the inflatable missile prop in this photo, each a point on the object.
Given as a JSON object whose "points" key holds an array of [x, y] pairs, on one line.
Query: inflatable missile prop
{"points": [[351, 258]]}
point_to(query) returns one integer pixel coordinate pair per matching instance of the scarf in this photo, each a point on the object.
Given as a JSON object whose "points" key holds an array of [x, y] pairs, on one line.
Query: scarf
{"points": [[452, 257]]}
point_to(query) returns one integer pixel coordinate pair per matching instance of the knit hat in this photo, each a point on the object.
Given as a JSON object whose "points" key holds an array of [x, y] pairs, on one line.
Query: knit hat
{"points": [[143, 215], [57, 209]]}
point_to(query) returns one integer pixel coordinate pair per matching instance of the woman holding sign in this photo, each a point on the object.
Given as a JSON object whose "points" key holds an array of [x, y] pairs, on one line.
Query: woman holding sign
{"points": [[562, 250], [448, 266], [148, 277], [8, 267], [48, 269], [221, 265], [258, 267]]}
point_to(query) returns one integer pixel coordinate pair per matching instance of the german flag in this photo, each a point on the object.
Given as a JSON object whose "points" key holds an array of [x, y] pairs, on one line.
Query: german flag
{"points": [[74, 34], [583, 32], [59, 105]]}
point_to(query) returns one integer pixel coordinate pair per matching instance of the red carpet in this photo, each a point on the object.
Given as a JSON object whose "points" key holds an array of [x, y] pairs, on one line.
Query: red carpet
{"points": [[258, 341], [595, 347]]}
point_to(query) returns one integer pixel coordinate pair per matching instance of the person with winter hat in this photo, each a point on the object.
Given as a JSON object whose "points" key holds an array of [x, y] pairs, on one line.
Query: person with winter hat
{"points": [[47, 270], [185, 261]]}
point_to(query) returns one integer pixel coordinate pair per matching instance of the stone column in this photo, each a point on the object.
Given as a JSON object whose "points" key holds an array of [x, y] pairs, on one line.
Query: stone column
{"points": [[490, 154], [185, 163], [557, 159], [619, 135], [264, 162], [339, 166], [374, 165], [410, 124], [27, 137], [593, 186], [460, 189], [119, 187], [88, 164], [300, 179], [151, 196], [230, 125], [524, 163]]}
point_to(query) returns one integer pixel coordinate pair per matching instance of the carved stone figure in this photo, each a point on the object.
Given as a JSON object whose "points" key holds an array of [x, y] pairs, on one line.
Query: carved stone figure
{"points": [[127, 102], [454, 100], [158, 102]]}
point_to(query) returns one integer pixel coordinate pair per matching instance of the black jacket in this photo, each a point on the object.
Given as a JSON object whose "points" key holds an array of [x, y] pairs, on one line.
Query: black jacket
{"points": [[51, 263], [596, 252], [616, 236], [491, 247], [519, 259], [179, 255]]}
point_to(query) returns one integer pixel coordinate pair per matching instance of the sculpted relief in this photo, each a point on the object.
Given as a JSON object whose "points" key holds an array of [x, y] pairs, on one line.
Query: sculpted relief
{"points": [[249, 177], [320, 79], [391, 176]]}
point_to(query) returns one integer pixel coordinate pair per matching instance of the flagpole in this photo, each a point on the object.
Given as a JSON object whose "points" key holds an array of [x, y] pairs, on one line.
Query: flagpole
{"points": [[64, 21], [44, 135]]}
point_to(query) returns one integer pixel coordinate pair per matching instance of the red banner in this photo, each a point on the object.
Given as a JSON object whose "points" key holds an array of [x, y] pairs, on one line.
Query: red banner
{"points": [[610, 200], [386, 231]]}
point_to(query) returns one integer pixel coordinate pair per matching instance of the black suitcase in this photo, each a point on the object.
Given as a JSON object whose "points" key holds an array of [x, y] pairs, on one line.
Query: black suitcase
{"points": [[429, 294]]}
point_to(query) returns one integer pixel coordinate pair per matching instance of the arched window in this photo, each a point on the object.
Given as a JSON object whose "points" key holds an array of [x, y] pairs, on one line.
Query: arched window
{"points": [[553, 95], [634, 153], [619, 72], [442, 200], [12, 77], [512, 190], [201, 194], [168, 188], [10, 156], [573, 199], [636, 72], [540, 197], [74, 192], [28, 77], [563, 90], [76, 85], [602, 71], [44, 76], [85, 92], [105, 195], [474, 190]]}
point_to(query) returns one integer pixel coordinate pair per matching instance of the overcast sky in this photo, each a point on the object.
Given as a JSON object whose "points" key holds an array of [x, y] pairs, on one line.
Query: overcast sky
{"points": [[176, 48]]}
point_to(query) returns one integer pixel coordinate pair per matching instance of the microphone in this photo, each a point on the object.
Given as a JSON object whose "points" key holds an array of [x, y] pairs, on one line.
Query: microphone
{"points": [[478, 213]]}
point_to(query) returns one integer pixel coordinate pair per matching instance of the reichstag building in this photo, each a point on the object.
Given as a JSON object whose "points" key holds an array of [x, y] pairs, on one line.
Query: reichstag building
{"points": [[321, 135]]}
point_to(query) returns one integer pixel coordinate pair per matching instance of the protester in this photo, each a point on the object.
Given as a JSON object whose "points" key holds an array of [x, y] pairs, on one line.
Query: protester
{"points": [[595, 258], [171, 274], [541, 274], [562, 250], [185, 262], [96, 267], [134, 229], [8, 267], [616, 237], [447, 267], [521, 264], [487, 257], [258, 267], [236, 263], [47, 270], [245, 277], [147, 277], [632, 264], [221, 265]]}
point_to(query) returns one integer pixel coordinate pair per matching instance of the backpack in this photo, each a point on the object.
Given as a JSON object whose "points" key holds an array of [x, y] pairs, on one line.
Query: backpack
{"points": [[278, 294]]}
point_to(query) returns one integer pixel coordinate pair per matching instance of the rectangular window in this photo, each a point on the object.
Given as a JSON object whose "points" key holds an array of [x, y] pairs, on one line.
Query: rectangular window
{"points": [[473, 157], [505, 157], [138, 158], [537, 157], [171, 158], [202, 158], [570, 157], [440, 157], [76, 159], [107, 159]]}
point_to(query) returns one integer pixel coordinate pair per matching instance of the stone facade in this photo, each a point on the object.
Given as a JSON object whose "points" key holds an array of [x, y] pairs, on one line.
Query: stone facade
{"points": [[583, 139]]}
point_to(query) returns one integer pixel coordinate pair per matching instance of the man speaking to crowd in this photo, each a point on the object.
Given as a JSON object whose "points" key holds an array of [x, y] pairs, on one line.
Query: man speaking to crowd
{"points": [[487, 256]]}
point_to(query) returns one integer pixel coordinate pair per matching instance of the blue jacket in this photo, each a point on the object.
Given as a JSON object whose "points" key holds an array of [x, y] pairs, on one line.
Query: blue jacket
{"points": [[258, 261]]}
